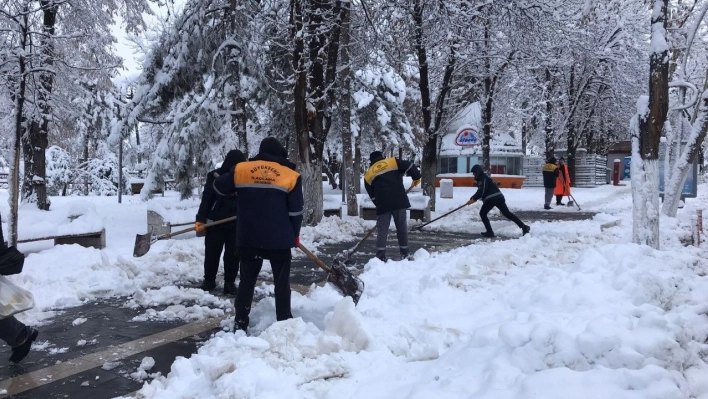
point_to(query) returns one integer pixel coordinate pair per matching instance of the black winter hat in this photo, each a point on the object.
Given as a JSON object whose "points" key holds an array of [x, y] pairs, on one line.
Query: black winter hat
{"points": [[376, 156], [232, 158], [552, 160], [477, 170], [271, 146]]}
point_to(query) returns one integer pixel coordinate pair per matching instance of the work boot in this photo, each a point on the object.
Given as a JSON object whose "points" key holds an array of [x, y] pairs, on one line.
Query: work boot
{"points": [[241, 325], [405, 254], [208, 285], [546, 207], [560, 204], [21, 351], [381, 255], [488, 234], [526, 229], [230, 288]]}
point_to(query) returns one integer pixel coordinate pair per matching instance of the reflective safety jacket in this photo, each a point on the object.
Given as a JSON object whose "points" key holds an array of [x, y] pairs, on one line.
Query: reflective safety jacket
{"points": [[270, 201], [384, 184], [550, 174]]}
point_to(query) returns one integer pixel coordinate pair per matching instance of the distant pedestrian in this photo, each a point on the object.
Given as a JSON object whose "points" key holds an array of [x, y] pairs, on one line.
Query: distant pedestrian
{"points": [[214, 207], [15, 334], [550, 174], [384, 184], [491, 196], [562, 183], [270, 206]]}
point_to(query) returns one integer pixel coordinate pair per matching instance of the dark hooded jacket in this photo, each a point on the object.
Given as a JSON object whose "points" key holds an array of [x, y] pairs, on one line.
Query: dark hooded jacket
{"points": [[486, 188], [550, 173], [384, 182], [213, 206], [270, 200]]}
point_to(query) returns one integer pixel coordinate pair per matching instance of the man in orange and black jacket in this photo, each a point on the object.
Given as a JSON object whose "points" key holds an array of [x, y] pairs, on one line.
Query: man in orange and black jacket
{"points": [[384, 184], [550, 174], [270, 206]]}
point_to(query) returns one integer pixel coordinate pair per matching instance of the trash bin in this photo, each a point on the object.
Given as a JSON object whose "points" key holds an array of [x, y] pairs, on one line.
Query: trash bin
{"points": [[446, 188]]}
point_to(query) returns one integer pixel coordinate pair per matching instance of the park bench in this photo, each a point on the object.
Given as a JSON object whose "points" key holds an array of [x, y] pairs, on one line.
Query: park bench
{"points": [[419, 210], [68, 225], [332, 206]]}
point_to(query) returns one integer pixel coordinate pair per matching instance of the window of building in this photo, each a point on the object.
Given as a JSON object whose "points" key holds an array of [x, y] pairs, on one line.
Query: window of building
{"points": [[448, 165]]}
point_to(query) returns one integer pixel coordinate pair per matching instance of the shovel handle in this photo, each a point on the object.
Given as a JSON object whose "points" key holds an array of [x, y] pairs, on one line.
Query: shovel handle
{"points": [[176, 233], [314, 258], [440, 217]]}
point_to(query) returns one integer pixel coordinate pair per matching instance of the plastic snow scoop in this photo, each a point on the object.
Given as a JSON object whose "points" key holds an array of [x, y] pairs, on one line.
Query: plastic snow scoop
{"points": [[144, 241], [347, 283], [571, 200], [440, 217], [342, 259]]}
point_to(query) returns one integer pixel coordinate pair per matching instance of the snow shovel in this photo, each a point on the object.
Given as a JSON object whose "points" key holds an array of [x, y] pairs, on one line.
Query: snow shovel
{"points": [[347, 283], [341, 260], [571, 200], [440, 217], [144, 241]]}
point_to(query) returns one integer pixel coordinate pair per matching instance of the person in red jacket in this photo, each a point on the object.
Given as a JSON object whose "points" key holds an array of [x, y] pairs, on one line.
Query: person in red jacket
{"points": [[562, 182]]}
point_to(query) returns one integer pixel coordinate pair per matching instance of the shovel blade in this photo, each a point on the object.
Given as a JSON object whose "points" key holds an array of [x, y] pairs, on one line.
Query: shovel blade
{"points": [[343, 279], [142, 244]]}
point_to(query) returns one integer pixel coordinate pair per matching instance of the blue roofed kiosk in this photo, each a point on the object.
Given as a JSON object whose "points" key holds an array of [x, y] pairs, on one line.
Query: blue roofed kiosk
{"points": [[461, 148]]}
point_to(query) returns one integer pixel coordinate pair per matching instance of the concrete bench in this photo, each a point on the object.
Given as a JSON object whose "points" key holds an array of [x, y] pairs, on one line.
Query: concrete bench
{"points": [[332, 206], [88, 240], [419, 210], [136, 185], [420, 207]]}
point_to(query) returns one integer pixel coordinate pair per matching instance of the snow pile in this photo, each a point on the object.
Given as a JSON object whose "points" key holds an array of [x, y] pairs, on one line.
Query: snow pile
{"points": [[175, 212], [563, 313], [204, 305], [141, 373], [74, 217]]}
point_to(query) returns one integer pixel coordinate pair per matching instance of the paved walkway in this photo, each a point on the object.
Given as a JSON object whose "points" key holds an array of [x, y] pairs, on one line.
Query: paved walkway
{"points": [[101, 368]]}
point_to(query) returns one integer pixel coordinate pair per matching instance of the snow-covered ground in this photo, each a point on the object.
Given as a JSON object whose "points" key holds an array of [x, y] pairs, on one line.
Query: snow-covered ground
{"points": [[566, 312]]}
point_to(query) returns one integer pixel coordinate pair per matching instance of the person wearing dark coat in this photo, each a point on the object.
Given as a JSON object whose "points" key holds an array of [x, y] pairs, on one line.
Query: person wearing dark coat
{"points": [[212, 208], [270, 207], [550, 174], [491, 196], [384, 184], [16, 334]]}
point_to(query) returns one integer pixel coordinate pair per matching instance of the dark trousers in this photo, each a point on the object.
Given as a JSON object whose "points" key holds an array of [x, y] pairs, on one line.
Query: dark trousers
{"points": [[13, 331], [383, 222], [217, 238], [559, 199], [250, 268], [500, 203]]}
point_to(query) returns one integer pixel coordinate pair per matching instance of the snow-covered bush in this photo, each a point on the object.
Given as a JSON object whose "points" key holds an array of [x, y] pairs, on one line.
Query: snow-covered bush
{"points": [[102, 174], [60, 170]]}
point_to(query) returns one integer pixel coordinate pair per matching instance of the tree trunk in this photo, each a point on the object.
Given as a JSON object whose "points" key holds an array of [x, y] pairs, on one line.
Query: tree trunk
{"points": [[14, 175], [673, 187], [350, 176], [429, 161], [650, 124], [357, 163], [35, 143], [524, 128], [550, 139]]}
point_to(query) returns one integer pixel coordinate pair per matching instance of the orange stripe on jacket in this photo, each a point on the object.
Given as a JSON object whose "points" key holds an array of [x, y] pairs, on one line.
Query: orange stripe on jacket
{"points": [[264, 174]]}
